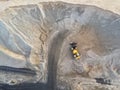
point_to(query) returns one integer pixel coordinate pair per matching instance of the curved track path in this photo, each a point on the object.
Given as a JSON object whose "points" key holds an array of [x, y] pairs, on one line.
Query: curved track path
{"points": [[53, 57]]}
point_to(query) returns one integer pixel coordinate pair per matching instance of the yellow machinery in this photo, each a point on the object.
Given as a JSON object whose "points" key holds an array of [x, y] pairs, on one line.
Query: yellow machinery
{"points": [[75, 52]]}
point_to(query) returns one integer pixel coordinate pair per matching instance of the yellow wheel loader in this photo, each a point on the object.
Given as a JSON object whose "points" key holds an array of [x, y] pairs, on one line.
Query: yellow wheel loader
{"points": [[74, 50]]}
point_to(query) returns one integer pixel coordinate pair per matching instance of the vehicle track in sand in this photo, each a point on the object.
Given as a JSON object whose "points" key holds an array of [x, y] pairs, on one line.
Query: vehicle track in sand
{"points": [[53, 57]]}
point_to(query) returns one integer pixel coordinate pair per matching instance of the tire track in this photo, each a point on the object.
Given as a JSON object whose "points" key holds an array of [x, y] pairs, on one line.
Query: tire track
{"points": [[18, 70], [53, 57]]}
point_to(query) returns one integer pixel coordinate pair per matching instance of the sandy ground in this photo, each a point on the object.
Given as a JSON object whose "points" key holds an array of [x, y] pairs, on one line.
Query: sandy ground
{"points": [[105, 4], [106, 22]]}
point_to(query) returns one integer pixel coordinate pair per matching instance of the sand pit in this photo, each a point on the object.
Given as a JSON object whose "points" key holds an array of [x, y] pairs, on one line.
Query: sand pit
{"points": [[37, 37]]}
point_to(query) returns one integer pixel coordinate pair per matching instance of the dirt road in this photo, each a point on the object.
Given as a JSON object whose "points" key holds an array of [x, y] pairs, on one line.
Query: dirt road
{"points": [[53, 58]]}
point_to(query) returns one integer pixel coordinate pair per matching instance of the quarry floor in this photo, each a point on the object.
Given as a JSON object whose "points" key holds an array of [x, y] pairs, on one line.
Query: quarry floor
{"points": [[96, 32]]}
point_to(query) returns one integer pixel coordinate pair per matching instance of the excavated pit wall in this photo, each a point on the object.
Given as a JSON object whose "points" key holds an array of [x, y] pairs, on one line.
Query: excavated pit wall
{"points": [[25, 38]]}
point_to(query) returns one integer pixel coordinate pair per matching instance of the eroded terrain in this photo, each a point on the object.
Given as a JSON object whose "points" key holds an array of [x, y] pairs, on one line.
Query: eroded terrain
{"points": [[37, 37]]}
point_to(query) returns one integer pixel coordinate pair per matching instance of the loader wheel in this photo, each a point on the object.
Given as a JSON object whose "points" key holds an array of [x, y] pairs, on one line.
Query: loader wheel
{"points": [[71, 48], [78, 54], [75, 56]]}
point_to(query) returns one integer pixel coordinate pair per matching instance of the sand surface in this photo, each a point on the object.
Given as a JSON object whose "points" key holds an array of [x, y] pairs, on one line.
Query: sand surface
{"points": [[105, 4]]}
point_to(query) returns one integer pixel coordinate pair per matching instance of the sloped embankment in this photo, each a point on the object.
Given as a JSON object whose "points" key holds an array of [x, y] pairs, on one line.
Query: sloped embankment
{"points": [[38, 36]]}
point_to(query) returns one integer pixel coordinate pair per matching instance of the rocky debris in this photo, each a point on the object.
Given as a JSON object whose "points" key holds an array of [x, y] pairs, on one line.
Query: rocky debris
{"points": [[30, 35], [23, 39]]}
